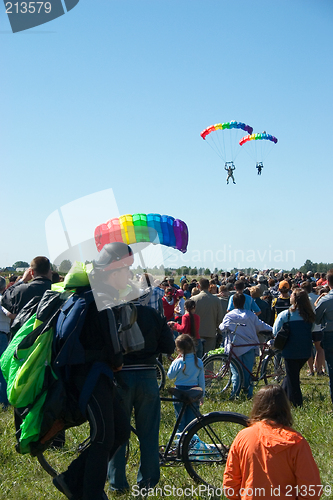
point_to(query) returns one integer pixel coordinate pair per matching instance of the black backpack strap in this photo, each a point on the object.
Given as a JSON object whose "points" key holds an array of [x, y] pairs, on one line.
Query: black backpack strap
{"points": [[113, 331], [95, 372]]}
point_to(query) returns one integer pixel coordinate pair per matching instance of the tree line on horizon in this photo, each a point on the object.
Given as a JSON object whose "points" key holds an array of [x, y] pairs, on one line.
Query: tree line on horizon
{"points": [[308, 265]]}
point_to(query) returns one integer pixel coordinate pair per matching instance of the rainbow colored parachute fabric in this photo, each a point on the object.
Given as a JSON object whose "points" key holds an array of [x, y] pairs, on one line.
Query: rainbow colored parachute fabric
{"points": [[227, 125], [139, 228], [255, 137]]}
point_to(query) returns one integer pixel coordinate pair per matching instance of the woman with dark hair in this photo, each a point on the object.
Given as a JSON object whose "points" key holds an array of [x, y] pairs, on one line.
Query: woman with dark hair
{"points": [[269, 459], [298, 348], [190, 325], [185, 287]]}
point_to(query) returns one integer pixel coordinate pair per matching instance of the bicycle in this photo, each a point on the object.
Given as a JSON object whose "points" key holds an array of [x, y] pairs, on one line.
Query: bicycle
{"points": [[202, 447], [218, 374], [160, 375]]}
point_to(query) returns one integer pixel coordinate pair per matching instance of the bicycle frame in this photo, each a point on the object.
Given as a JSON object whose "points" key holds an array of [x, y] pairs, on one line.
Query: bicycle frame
{"points": [[218, 428], [264, 347], [165, 456], [256, 377]]}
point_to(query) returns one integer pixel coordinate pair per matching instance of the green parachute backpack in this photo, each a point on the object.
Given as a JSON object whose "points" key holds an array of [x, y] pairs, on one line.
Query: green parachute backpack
{"points": [[26, 367], [39, 397], [21, 360]]}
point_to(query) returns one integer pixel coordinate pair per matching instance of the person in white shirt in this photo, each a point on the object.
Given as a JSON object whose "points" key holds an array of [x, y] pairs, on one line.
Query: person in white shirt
{"points": [[247, 333]]}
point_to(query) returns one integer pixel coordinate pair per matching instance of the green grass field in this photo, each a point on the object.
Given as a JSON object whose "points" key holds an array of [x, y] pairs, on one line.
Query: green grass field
{"points": [[22, 478]]}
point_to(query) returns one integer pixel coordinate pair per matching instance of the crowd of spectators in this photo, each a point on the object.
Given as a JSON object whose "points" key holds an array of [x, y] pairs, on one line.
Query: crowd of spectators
{"points": [[266, 295], [198, 309]]}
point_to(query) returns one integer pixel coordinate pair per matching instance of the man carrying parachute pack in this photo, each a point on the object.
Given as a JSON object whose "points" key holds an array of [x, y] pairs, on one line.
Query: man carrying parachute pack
{"points": [[77, 349]]}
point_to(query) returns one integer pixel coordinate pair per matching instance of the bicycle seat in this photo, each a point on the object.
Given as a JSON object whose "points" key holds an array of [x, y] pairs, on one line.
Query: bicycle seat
{"points": [[190, 395]]}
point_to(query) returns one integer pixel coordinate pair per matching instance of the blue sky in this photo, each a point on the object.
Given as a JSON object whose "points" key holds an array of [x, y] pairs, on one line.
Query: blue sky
{"points": [[114, 94]]}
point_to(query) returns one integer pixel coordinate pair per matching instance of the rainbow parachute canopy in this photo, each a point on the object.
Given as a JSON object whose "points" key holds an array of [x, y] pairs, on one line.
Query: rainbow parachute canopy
{"points": [[227, 125], [138, 228], [255, 137]]}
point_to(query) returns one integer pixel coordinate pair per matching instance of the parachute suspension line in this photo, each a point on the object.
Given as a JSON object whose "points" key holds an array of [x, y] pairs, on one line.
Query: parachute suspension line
{"points": [[215, 149], [238, 151], [215, 140], [231, 146], [222, 147], [268, 150], [251, 154]]}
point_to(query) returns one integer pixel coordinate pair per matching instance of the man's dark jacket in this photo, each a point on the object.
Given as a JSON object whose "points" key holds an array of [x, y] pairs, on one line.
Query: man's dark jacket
{"points": [[19, 294], [158, 337]]}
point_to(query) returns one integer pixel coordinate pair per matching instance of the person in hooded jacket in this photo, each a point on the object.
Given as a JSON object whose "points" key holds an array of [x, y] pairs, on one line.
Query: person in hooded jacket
{"points": [[269, 459]]}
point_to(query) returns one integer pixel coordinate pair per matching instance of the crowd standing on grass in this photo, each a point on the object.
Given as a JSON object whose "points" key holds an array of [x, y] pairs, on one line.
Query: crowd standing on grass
{"points": [[192, 314]]}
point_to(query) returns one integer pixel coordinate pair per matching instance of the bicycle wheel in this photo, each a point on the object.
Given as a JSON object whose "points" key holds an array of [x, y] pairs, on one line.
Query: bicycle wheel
{"points": [[55, 461], [218, 376], [273, 369], [160, 374], [206, 445]]}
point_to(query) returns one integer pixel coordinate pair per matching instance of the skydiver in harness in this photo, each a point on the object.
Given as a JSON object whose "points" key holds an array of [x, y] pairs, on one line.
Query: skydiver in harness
{"points": [[230, 167], [259, 166]]}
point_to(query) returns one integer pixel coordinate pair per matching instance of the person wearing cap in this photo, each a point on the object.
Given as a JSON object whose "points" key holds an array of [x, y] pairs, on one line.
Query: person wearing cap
{"points": [[282, 302], [139, 391], [109, 424]]}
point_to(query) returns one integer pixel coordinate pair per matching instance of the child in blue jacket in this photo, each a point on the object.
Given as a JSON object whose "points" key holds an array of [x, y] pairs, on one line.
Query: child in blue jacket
{"points": [[188, 371]]}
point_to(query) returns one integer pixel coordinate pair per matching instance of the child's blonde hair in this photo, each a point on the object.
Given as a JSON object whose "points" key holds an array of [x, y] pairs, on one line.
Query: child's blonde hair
{"points": [[185, 345]]}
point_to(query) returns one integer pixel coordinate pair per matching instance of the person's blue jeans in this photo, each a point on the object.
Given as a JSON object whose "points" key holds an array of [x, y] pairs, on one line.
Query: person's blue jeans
{"points": [[139, 390], [248, 360], [327, 344], [189, 415], [3, 385]]}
